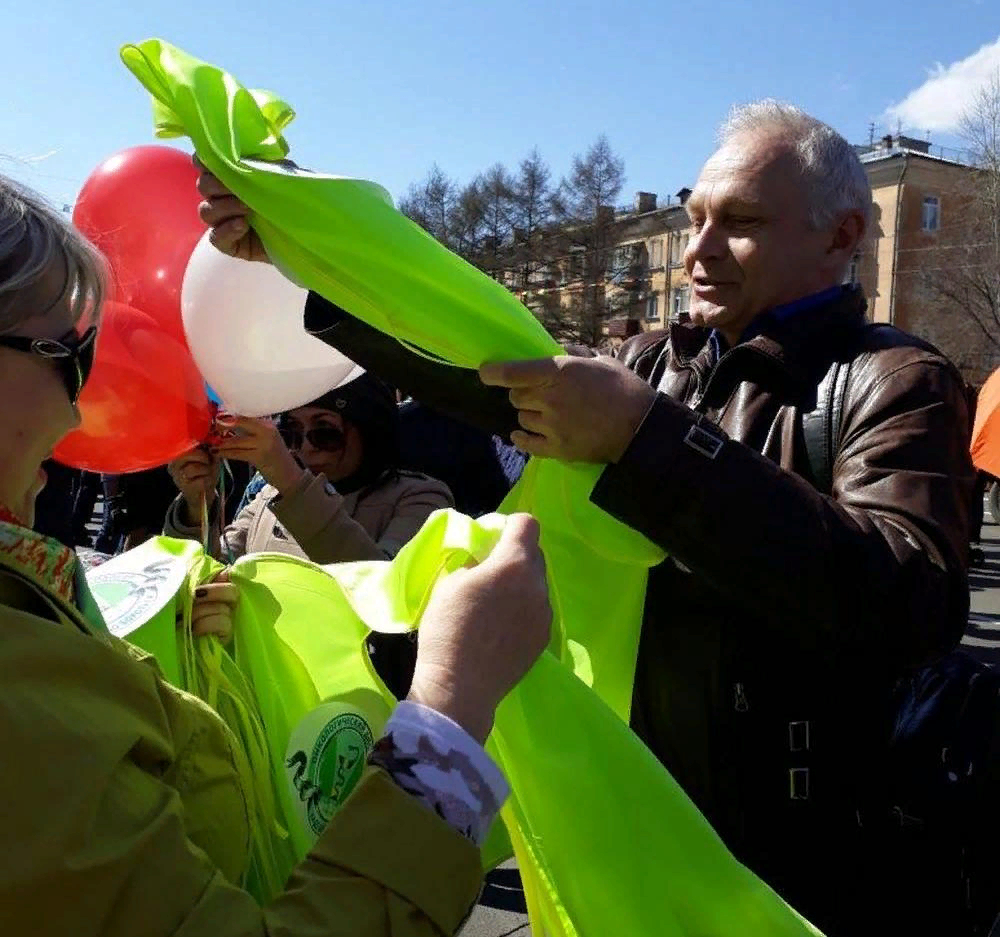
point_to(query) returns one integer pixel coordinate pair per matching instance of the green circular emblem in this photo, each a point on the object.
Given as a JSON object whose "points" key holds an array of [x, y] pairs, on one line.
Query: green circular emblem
{"points": [[325, 759]]}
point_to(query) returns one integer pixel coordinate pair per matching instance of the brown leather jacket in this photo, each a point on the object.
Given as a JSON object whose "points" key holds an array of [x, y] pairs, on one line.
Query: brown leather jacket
{"points": [[775, 633]]}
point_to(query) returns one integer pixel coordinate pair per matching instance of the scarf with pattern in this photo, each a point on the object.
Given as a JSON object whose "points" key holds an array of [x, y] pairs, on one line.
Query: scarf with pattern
{"points": [[44, 561]]}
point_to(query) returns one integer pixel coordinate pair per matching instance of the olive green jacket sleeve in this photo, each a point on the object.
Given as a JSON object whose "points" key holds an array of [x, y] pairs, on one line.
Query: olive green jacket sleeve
{"points": [[96, 840]]}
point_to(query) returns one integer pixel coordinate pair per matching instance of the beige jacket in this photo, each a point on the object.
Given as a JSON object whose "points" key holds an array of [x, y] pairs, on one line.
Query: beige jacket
{"points": [[313, 521]]}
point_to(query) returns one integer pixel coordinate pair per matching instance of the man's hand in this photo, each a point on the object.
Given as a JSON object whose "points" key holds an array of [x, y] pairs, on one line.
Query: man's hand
{"points": [[573, 409], [228, 219], [259, 443], [483, 629]]}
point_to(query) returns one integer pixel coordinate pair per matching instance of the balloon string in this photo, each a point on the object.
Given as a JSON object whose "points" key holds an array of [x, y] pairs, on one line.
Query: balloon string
{"points": [[205, 529], [223, 493]]}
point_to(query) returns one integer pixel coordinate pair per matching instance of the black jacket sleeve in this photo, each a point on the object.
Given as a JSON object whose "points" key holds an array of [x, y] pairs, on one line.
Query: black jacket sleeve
{"points": [[456, 392]]}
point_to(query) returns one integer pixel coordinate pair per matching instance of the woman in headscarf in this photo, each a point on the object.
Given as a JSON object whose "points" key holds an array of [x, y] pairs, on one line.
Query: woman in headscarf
{"points": [[335, 491]]}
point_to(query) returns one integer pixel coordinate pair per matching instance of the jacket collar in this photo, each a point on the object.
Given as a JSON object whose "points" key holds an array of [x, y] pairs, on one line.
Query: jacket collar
{"points": [[800, 347], [45, 562]]}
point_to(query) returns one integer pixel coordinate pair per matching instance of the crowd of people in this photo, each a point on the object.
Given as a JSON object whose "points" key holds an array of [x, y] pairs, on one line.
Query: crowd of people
{"points": [[795, 596]]}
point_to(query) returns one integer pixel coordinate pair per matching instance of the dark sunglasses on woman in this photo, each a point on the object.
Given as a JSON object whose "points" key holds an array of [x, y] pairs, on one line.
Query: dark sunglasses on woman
{"points": [[73, 354], [322, 438]]}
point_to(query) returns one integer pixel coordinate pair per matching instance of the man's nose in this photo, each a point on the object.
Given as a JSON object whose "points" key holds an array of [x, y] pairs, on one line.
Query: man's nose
{"points": [[710, 243]]}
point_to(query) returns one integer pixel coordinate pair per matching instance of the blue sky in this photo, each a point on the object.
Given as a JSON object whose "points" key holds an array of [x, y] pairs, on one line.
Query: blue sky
{"points": [[385, 89]]}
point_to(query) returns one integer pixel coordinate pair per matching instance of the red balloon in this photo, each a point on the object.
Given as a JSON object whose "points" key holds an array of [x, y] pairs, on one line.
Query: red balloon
{"points": [[140, 208], [145, 402]]}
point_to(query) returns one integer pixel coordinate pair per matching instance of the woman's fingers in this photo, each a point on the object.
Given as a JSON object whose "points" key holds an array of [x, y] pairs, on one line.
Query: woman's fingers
{"points": [[223, 592], [212, 612], [214, 619]]}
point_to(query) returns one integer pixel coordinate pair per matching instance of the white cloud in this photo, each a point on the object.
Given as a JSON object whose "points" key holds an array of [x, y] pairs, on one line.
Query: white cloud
{"points": [[939, 102]]}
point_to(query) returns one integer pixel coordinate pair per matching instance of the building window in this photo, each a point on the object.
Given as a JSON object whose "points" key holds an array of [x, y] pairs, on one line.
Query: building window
{"points": [[573, 269], [653, 306], [628, 262], [678, 246], [656, 253], [931, 220], [681, 302]]}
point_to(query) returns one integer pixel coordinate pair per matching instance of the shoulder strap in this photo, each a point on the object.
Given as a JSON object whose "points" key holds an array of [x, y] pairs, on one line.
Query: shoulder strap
{"points": [[821, 426]]}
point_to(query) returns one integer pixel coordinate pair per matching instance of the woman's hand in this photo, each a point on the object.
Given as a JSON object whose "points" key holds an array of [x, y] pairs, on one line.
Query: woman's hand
{"points": [[212, 612], [483, 629], [195, 474], [259, 443]]}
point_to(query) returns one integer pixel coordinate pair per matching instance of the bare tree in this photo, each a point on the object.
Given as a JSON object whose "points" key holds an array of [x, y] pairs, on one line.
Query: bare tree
{"points": [[473, 221], [496, 188], [431, 204], [530, 219], [466, 222], [556, 248], [583, 209], [962, 273]]}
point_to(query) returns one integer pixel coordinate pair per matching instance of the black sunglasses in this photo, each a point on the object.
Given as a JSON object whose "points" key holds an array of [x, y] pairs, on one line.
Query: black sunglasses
{"points": [[322, 438], [74, 355]]}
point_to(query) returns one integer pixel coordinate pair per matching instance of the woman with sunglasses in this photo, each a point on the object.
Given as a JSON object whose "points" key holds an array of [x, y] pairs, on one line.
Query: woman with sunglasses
{"points": [[334, 493], [126, 813]]}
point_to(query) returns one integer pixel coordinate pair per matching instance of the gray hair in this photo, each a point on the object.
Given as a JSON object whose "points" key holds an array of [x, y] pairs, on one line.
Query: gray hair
{"points": [[837, 181], [33, 238]]}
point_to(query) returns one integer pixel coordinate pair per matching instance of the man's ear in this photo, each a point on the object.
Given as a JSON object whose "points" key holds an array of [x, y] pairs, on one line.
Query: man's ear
{"points": [[847, 237]]}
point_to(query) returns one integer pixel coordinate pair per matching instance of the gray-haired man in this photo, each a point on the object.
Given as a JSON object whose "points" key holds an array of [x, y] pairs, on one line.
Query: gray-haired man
{"points": [[791, 605]]}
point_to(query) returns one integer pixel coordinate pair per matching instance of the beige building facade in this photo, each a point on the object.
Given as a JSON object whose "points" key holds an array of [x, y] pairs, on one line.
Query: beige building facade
{"points": [[919, 245]]}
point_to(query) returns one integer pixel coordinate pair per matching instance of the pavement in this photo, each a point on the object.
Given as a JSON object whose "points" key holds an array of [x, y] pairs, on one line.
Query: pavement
{"points": [[982, 637], [501, 911]]}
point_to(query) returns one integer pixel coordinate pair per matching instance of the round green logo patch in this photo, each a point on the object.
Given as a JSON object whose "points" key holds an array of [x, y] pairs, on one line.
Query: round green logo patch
{"points": [[324, 761]]}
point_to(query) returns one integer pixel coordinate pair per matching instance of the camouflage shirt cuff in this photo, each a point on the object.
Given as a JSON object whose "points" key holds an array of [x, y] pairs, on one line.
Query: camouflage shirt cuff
{"points": [[439, 763]]}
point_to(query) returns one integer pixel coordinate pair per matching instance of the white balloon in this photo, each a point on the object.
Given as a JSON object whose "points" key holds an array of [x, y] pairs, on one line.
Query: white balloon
{"points": [[243, 322]]}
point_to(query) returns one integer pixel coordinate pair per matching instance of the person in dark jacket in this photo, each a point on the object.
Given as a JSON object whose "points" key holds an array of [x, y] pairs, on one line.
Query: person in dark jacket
{"points": [[478, 467], [776, 630], [55, 514]]}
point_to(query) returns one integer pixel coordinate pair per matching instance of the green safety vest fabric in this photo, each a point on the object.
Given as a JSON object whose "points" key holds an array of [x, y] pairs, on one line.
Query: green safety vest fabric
{"points": [[606, 840]]}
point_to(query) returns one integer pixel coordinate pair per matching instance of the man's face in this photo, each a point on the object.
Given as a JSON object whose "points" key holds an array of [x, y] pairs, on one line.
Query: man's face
{"points": [[752, 247]]}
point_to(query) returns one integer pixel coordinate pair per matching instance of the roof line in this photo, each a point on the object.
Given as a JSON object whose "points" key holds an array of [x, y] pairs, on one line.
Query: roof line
{"points": [[898, 151]]}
